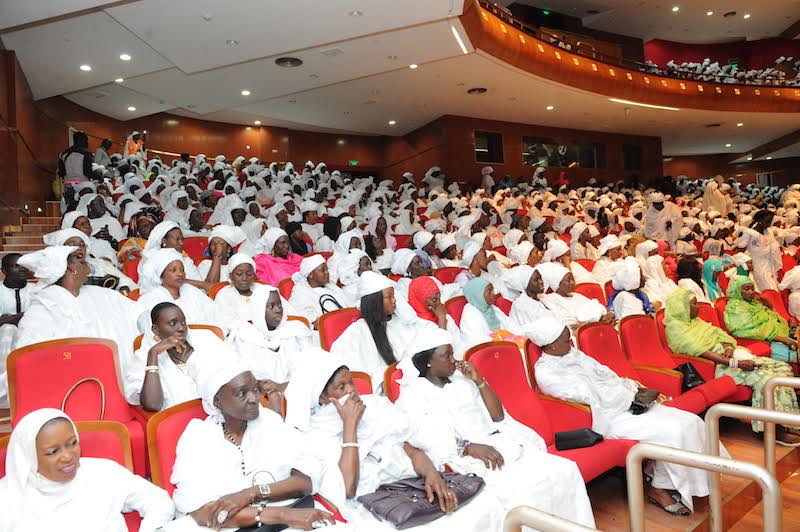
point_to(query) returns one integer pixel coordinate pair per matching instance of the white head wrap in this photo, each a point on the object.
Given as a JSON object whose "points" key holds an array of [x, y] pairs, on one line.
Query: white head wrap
{"points": [[57, 238], [512, 238], [153, 265], [48, 264], [656, 197], [237, 259], [347, 269], [302, 394], [307, 265], [740, 259], [517, 278], [627, 276], [158, 233], [471, 248], [643, 249], [608, 243], [371, 283], [552, 273], [545, 330], [269, 238], [444, 241], [70, 218], [555, 248], [577, 230], [402, 260], [232, 235], [520, 252], [212, 375], [422, 238]]}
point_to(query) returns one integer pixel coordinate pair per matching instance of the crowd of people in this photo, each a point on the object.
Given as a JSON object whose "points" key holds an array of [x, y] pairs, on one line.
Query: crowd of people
{"points": [[332, 242], [785, 71]]}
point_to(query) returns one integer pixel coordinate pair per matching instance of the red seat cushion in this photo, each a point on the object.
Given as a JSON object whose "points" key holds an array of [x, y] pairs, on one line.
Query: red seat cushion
{"points": [[195, 246], [285, 287], [504, 305], [163, 431], [333, 324], [592, 291], [595, 460], [586, 263], [455, 307], [403, 241], [447, 275], [131, 269], [600, 341]]}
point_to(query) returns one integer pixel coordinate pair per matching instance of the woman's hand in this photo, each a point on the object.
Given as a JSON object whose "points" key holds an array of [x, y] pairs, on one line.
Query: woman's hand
{"points": [[306, 517], [747, 365], [728, 350], [441, 315], [608, 317], [351, 411], [216, 513], [173, 342], [436, 486], [469, 370], [269, 387], [487, 454]]}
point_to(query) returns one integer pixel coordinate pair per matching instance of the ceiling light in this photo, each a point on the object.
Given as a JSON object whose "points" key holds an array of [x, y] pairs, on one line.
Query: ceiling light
{"points": [[747, 15], [769, 157], [257, 122], [650, 106], [118, 80], [131, 108], [458, 39], [709, 13], [392, 122], [729, 14], [477, 90], [355, 13], [231, 42], [413, 66], [675, 9], [550, 107], [728, 145], [86, 68], [248, 128], [245, 92], [288, 62], [125, 57], [749, 157], [740, 124]]}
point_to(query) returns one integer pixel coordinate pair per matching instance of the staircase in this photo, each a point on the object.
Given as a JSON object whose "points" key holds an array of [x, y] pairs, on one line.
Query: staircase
{"points": [[27, 237]]}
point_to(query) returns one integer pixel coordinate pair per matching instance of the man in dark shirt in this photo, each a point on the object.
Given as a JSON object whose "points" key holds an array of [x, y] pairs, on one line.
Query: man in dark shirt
{"points": [[75, 165]]}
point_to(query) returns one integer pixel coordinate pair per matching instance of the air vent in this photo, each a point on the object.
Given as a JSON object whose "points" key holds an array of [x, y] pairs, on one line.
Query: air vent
{"points": [[97, 95], [330, 53], [729, 14], [713, 125], [370, 102], [477, 90], [288, 62]]}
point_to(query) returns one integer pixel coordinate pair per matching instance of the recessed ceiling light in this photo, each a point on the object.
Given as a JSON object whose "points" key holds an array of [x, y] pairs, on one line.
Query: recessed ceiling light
{"points": [[355, 13], [675, 9], [550, 107], [125, 57], [86, 68], [747, 15], [248, 128], [412, 66], [392, 122], [288, 62], [477, 90], [245, 92], [131, 108], [769, 157], [257, 122], [638, 104], [729, 14], [728, 145], [709, 13], [749, 157], [231, 42], [739, 124], [118, 80]]}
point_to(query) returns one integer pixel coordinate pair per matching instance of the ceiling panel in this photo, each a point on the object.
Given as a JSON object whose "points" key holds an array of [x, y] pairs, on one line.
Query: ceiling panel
{"points": [[221, 88], [193, 33], [114, 99], [18, 12], [51, 54]]}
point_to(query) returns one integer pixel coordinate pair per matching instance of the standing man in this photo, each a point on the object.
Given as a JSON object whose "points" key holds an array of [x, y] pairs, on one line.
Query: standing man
{"points": [[487, 181], [101, 156], [75, 166], [663, 220]]}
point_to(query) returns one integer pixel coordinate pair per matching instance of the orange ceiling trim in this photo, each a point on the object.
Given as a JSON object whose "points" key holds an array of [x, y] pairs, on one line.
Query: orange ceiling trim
{"points": [[559, 65]]}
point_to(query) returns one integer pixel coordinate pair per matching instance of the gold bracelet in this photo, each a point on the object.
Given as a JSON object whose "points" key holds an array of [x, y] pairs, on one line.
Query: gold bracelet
{"points": [[482, 385]]}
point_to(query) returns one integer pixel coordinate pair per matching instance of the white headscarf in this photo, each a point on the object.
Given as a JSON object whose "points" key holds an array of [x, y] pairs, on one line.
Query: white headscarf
{"points": [[70, 218], [57, 238], [212, 375], [471, 248], [545, 330], [347, 269], [512, 238], [158, 233], [422, 239], [517, 278], [232, 235], [520, 252], [552, 273], [627, 276], [371, 283], [48, 264], [302, 394], [402, 260], [152, 268], [608, 243], [555, 248], [307, 265], [644, 249], [269, 238], [237, 259]]}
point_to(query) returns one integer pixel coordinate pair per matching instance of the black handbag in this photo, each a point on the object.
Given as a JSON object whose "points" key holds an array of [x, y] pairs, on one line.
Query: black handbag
{"points": [[577, 439], [328, 299], [643, 400], [307, 501], [691, 377], [405, 504]]}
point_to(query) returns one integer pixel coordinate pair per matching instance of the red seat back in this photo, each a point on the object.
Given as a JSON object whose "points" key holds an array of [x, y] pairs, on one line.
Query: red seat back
{"points": [[723, 281], [586, 263], [662, 331], [608, 289], [592, 291], [641, 343], [708, 314], [332, 324], [500, 364], [215, 288], [532, 354], [163, 431], [566, 237], [403, 241], [40, 375], [131, 269], [774, 297], [195, 246], [447, 275], [362, 381], [719, 305], [504, 305], [390, 386], [455, 307], [600, 341], [324, 254], [501, 250], [285, 287]]}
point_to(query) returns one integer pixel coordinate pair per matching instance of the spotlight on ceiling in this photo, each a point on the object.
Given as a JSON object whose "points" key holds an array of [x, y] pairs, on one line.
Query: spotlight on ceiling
{"points": [[739, 124], [86, 68], [550, 107], [392, 122], [413, 66], [125, 57], [675, 9], [288, 62], [231, 42], [245, 92], [131, 108], [747, 15], [728, 145], [709, 13], [118, 80], [355, 13], [257, 122]]}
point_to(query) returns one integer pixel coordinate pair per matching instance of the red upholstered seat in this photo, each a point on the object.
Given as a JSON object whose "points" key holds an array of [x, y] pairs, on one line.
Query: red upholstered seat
{"points": [[758, 347], [608, 290], [403, 241], [285, 287], [455, 307], [362, 381], [504, 305], [99, 439], [131, 269], [163, 431], [447, 275], [586, 263], [501, 366], [390, 386], [325, 254], [600, 341], [788, 262], [723, 281], [592, 291], [195, 247], [215, 288], [774, 297], [40, 375], [332, 324], [395, 277], [501, 250], [566, 237]]}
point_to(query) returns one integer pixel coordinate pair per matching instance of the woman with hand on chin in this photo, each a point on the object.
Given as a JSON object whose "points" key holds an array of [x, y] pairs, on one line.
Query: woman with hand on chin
{"points": [[48, 484]]}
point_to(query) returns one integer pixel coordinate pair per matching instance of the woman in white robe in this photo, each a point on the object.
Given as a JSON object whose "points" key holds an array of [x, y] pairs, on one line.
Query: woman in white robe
{"points": [[558, 252], [481, 319], [98, 248], [346, 241], [65, 308], [764, 249], [48, 484], [221, 241], [314, 293], [567, 373], [571, 308], [626, 300], [163, 280], [325, 404], [510, 457], [526, 284], [178, 209], [657, 286], [256, 459], [167, 234], [253, 230], [791, 281]]}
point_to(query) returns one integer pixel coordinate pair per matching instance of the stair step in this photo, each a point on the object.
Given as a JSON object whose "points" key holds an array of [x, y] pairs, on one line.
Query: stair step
{"points": [[46, 220], [38, 229], [27, 239], [22, 248]]}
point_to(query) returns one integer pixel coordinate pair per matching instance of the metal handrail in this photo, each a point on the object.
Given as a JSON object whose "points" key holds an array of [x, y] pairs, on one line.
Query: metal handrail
{"points": [[716, 465], [527, 516], [712, 418], [769, 427]]}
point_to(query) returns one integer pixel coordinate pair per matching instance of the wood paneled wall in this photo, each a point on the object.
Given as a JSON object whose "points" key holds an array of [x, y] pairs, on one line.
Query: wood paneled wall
{"points": [[784, 171]]}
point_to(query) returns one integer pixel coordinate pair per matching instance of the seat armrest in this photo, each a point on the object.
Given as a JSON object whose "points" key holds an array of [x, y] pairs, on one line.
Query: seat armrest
{"points": [[706, 368], [565, 415], [666, 381]]}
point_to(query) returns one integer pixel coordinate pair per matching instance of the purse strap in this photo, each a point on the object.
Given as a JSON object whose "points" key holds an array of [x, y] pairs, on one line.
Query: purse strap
{"points": [[327, 298], [102, 395]]}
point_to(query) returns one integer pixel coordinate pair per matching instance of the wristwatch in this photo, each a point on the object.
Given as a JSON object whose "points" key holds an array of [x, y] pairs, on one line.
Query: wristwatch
{"points": [[461, 446], [265, 491]]}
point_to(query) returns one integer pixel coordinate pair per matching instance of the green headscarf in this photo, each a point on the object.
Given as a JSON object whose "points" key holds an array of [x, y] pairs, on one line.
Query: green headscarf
{"points": [[473, 291], [751, 319], [710, 267], [691, 336]]}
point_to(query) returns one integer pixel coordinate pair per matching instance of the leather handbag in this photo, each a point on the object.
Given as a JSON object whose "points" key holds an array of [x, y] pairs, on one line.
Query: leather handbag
{"points": [[102, 395], [404, 503], [691, 377], [643, 400], [576, 439]]}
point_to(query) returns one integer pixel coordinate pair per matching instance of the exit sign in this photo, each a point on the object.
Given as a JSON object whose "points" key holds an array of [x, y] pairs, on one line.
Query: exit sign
{"points": [[353, 163]]}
